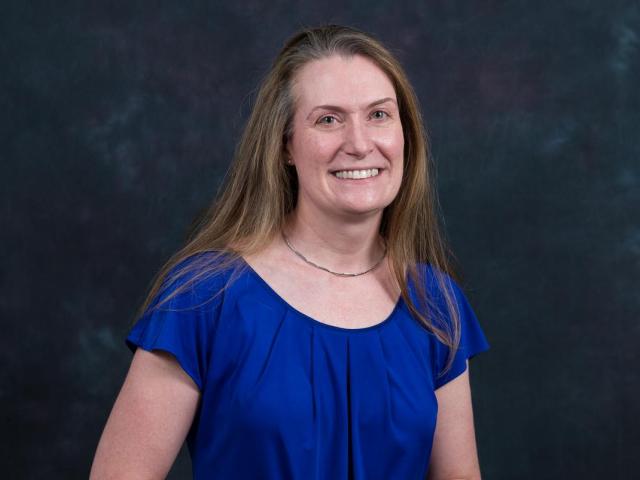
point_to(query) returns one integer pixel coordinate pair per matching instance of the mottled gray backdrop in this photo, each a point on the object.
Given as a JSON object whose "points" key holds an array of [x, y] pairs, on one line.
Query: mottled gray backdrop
{"points": [[118, 121]]}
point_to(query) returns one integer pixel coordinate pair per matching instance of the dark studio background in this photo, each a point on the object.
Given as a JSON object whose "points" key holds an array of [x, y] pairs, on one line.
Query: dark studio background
{"points": [[118, 121]]}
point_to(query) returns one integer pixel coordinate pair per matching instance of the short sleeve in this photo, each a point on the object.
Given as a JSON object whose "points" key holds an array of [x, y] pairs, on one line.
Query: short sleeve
{"points": [[183, 326], [472, 340]]}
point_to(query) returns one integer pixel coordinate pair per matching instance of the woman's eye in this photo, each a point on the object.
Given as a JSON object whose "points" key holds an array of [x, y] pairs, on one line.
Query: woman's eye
{"points": [[327, 120], [379, 114]]}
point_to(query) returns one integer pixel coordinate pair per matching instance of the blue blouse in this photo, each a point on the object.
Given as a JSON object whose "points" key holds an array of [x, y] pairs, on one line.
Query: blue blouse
{"points": [[285, 396]]}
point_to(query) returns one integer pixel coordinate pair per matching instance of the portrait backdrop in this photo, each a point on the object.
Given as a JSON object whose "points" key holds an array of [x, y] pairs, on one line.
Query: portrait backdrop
{"points": [[118, 123]]}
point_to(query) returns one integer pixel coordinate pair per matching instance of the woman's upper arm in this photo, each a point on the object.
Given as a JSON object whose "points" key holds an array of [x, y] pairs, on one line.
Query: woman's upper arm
{"points": [[454, 453], [149, 420]]}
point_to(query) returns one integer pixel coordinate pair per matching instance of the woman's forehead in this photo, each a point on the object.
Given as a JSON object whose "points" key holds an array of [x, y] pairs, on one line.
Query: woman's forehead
{"points": [[350, 82]]}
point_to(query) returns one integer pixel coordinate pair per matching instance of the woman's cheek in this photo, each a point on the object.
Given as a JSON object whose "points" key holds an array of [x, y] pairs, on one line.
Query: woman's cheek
{"points": [[393, 145]]}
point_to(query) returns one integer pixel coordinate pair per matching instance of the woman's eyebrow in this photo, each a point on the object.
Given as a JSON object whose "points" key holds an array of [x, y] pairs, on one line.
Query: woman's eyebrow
{"points": [[340, 109]]}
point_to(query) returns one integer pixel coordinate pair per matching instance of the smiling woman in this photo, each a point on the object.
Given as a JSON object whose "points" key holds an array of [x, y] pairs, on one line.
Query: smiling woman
{"points": [[311, 328]]}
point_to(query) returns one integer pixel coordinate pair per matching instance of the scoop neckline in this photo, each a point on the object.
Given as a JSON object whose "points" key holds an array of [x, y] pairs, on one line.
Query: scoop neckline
{"points": [[314, 321]]}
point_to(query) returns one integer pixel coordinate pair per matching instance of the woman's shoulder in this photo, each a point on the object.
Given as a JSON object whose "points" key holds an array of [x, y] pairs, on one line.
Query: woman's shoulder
{"points": [[204, 261], [433, 276], [438, 284], [199, 276]]}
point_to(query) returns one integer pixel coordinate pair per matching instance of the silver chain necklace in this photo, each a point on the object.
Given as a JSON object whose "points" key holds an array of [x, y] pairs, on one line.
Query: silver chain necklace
{"points": [[339, 274]]}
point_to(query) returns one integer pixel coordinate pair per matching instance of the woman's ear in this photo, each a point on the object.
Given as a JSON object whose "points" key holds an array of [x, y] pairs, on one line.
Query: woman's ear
{"points": [[285, 150], [286, 155]]}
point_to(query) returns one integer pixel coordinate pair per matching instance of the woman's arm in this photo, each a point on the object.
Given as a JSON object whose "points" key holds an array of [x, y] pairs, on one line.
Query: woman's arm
{"points": [[454, 455], [149, 420]]}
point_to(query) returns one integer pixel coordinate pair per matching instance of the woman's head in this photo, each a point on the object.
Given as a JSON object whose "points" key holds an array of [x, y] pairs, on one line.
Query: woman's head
{"points": [[262, 185], [345, 141], [270, 134]]}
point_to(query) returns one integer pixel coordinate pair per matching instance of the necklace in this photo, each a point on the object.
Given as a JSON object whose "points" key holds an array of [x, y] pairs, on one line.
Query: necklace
{"points": [[339, 274]]}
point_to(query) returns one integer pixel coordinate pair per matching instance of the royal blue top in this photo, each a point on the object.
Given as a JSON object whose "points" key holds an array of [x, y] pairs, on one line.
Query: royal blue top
{"points": [[285, 396]]}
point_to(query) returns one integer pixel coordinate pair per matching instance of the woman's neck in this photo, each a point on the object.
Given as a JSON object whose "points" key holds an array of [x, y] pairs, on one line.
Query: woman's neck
{"points": [[339, 244]]}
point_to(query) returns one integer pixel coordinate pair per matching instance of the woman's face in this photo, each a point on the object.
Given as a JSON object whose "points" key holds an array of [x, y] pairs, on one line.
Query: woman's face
{"points": [[346, 127]]}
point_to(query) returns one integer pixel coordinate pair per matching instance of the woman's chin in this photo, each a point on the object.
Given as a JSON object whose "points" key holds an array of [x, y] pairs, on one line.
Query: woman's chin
{"points": [[362, 209]]}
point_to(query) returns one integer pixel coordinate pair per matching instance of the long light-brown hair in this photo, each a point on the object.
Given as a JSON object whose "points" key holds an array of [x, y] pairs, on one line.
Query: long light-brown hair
{"points": [[261, 188]]}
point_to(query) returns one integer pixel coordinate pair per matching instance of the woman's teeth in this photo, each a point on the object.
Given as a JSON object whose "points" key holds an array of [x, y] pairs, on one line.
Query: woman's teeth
{"points": [[356, 174]]}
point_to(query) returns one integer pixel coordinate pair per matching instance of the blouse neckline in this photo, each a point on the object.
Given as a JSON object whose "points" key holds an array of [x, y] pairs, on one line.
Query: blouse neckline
{"points": [[269, 289]]}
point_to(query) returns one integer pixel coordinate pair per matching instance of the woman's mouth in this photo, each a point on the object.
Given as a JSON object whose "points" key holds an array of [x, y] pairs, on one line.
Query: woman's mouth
{"points": [[356, 174]]}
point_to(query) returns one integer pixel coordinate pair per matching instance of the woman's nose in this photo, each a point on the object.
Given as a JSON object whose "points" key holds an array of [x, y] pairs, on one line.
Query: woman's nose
{"points": [[358, 141]]}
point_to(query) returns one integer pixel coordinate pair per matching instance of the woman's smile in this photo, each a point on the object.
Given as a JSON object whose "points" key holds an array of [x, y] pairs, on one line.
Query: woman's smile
{"points": [[361, 174]]}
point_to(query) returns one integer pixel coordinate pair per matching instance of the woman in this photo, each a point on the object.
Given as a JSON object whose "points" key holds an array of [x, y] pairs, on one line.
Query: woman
{"points": [[310, 328]]}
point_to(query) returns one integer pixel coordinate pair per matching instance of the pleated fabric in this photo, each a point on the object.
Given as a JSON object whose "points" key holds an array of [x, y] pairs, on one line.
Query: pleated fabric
{"points": [[285, 396]]}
